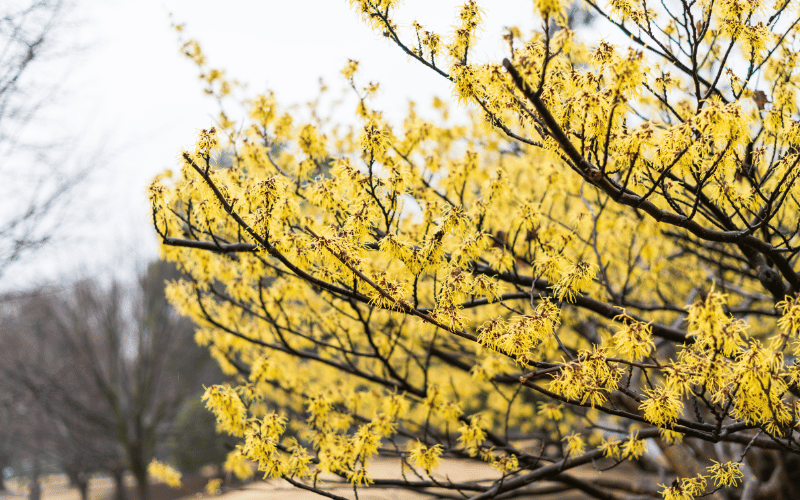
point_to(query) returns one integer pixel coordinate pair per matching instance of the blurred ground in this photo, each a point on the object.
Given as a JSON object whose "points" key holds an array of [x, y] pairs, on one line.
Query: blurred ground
{"points": [[56, 487]]}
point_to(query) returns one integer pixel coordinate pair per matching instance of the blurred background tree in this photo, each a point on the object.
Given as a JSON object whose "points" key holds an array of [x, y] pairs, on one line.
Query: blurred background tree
{"points": [[194, 442], [107, 368], [41, 173]]}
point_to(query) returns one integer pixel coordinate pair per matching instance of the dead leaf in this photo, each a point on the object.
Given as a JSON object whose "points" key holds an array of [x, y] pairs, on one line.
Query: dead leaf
{"points": [[760, 98], [499, 239]]}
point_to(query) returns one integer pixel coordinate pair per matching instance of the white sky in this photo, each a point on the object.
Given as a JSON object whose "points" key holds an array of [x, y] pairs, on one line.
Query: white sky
{"points": [[134, 98]]}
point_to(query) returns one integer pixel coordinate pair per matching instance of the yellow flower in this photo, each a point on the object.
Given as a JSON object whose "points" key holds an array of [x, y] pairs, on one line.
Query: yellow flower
{"points": [[634, 339], [576, 444], [611, 447], [350, 69], [551, 410], [236, 463], [575, 278], [165, 473], [633, 447], [213, 487], [229, 409], [663, 406], [472, 436], [426, 457], [726, 474], [359, 477]]}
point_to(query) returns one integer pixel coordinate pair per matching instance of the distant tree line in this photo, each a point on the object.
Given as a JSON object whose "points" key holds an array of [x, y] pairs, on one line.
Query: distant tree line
{"points": [[95, 377]]}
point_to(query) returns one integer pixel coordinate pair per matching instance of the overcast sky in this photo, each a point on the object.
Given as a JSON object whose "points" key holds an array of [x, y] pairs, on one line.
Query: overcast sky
{"points": [[134, 101]]}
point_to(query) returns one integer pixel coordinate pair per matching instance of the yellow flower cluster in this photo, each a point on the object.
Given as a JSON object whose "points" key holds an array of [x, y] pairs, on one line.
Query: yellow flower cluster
{"points": [[587, 379], [428, 458], [165, 473], [662, 407], [213, 486], [369, 286], [634, 339], [727, 474], [228, 407], [723, 474], [472, 435], [685, 488]]}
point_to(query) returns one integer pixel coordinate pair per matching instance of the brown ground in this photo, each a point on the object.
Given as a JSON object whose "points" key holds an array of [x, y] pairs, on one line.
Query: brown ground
{"points": [[56, 487], [102, 488]]}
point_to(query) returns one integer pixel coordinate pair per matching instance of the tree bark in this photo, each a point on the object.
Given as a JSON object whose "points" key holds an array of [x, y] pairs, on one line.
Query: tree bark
{"points": [[119, 481], [139, 469], [35, 492], [83, 487], [791, 476], [79, 479]]}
